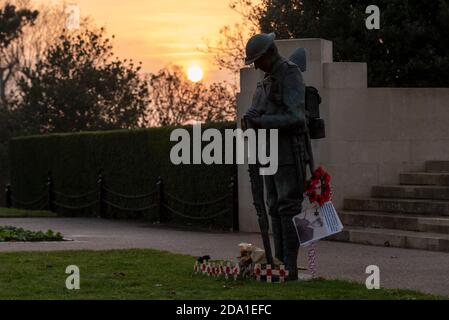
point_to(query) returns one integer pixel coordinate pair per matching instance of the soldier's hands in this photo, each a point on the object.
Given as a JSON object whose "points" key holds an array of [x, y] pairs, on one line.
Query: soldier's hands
{"points": [[252, 113], [255, 122], [253, 117]]}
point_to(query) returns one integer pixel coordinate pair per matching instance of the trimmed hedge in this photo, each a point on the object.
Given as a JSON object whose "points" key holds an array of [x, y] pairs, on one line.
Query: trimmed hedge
{"points": [[130, 160]]}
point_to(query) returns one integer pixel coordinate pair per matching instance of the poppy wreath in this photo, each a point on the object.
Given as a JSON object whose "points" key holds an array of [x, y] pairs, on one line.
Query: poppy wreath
{"points": [[319, 178]]}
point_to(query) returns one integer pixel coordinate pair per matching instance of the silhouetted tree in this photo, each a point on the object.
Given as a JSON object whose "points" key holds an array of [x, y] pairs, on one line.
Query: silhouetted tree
{"points": [[12, 22], [79, 86], [410, 49], [175, 100], [29, 47]]}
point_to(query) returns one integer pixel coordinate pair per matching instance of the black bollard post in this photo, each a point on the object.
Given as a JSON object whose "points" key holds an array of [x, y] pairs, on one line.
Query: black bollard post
{"points": [[50, 194], [235, 203], [160, 198], [101, 196], [8, 196]]}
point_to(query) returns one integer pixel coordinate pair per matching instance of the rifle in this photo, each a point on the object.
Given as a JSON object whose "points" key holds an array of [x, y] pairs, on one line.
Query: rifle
{"points": [[310, 153], [257, 190], [302, 145]]}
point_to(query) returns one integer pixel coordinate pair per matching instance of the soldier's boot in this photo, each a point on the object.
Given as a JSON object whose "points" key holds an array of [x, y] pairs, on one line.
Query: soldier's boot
{"points": [[276, 226], [291, 247]]}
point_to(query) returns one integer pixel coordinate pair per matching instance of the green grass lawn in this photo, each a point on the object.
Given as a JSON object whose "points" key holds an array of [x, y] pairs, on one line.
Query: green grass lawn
{"points": [[151, 274], [20, 213]]}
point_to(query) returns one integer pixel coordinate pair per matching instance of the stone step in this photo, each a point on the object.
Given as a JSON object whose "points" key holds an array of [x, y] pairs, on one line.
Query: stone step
{"points": [[412, 206], [394, 238], [387, 220], [437, 166], [424, 178], [411, 192]]}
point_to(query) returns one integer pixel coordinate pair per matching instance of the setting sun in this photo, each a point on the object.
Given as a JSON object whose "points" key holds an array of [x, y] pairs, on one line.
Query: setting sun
{"points": [[160, 33], [195, 73]]}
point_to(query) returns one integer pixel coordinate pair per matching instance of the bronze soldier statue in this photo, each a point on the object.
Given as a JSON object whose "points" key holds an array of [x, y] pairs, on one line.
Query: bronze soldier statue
{"points": [[279, 103]]}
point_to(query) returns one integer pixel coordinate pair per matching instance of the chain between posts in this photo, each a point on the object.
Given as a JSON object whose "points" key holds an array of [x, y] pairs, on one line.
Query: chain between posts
{"points": [[51, 200]]}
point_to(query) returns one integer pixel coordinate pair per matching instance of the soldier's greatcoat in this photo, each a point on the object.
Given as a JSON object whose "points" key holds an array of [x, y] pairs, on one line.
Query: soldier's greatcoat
{"points": [[280, 98]]}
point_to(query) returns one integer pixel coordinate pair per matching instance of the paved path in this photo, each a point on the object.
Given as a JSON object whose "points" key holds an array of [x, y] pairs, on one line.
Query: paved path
{"points": [[399, 268]]}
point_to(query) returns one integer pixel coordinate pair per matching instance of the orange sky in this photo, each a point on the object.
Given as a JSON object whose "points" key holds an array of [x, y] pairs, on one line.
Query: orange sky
{"points": [[158, 32]]}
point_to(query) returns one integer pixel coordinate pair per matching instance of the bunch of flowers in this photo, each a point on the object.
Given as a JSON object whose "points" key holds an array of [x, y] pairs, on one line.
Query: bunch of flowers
{"points": [[320, 179]]}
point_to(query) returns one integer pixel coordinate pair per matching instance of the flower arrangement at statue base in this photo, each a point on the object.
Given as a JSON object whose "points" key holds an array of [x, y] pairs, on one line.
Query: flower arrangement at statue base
{"points": [[217, 269], [251, 264], [228, 270]]}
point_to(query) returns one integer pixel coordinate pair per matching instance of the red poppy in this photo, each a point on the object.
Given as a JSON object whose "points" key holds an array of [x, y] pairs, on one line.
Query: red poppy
{"points": [[320, 178]]}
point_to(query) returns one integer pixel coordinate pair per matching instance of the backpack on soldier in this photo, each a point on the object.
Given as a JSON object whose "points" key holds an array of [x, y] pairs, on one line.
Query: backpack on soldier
{"points": [[314, 122], [312, 99]]}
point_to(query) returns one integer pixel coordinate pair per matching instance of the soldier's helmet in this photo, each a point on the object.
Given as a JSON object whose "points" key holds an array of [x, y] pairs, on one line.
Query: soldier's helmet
{"points": [[257, 46]]}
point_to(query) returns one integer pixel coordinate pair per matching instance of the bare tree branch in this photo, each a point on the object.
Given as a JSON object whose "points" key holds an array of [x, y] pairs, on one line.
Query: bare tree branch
{"points": [[228, 51], [177, 101], [25, 51]]}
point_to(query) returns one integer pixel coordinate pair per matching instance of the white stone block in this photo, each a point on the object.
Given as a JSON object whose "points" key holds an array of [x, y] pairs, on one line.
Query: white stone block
{"points": [[316, 49], [361, 152], [389, 172], [333, 152], [345, 75], [247, 213], [249, 78], [395, 152], [244, 100], [358, 115], [425, 150]]}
